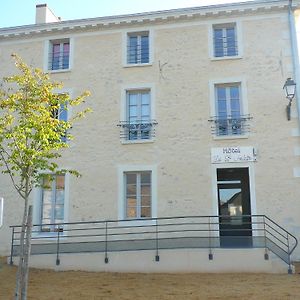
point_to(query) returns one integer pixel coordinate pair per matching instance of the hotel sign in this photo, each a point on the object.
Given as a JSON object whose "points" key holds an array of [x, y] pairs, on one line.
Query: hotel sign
{"points": [[232, 155]]}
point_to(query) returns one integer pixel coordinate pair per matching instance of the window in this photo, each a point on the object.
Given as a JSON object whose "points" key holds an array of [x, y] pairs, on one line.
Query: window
{"points": [[138, 114], [225, 40], [228, 107], [52, 201], [138, 194], [59, 55], [62, 115], [138, 48]]}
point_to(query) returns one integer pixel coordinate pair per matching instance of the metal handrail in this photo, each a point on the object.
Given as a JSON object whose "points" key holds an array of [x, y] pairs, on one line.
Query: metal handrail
{"points": [[276, 238]]}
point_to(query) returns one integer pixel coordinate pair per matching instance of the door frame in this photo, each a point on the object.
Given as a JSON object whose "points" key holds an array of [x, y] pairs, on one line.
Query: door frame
{"points": [[215, 199]]}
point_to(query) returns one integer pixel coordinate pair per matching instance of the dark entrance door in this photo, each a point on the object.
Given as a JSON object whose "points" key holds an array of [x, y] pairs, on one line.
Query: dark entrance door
{"points": [[234, 202]]}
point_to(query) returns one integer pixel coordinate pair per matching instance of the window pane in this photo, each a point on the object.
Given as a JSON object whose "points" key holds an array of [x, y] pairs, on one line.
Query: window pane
{"points": [[60, 182], [145, 111], [133, 111], [146, 201], [65, 55], [63, 114], [234, 92], [133, 98], [46, 211], [146, 177], [47, 194], [55, 56], [130, 178], [144, 49], [59, 213], [131, 212], [145, 190], [222, 107], [146, 212], [221, 93], [131, 202], [145, 98], [132, 49], [131, 189], [60, 195]]}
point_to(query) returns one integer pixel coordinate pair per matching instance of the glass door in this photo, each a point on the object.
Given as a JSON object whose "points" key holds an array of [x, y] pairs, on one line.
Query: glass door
{"points": [[234, 207]]}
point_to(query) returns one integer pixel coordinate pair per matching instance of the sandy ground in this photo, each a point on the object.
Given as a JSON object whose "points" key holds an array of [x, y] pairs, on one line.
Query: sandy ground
{"points": [[46, 284]]}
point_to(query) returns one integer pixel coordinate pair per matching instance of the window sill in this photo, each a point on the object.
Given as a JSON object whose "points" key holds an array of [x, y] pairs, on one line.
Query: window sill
{"points": [[59, 71], [231, 137], [129, 142], [226, 58], [138, 65]]}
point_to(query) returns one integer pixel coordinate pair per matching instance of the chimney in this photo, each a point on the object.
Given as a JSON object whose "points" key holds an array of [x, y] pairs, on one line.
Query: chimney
{"points": [[45, 15]]}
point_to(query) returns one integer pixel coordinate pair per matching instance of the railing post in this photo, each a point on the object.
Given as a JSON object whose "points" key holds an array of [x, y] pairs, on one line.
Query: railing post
{"points": [[57, 247], [210, 255], [12, 246], [290, 271], [266, 256], [106, 237], [156, 239]]}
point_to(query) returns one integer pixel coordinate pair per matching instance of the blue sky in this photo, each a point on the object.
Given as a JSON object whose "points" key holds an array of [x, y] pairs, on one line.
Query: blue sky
{"points": [[22, 12]]}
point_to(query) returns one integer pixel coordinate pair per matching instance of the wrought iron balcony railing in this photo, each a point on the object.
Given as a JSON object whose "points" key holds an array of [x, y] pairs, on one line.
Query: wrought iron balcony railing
{"points": [[138, 130], [230, 125]]}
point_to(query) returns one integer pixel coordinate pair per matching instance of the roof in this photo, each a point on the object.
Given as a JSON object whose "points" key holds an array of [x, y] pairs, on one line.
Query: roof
{"points": [[253, 6]]}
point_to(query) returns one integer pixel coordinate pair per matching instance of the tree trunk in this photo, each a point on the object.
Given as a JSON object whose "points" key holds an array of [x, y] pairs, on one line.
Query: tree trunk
{"points": [[26, 254], [21, 253]]}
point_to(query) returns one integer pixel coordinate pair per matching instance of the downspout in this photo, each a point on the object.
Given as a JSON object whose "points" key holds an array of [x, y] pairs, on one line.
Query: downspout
{"points": [[295, 56]]}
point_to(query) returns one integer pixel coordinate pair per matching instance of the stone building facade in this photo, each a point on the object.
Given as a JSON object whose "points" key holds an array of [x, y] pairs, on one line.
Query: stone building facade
{"points": [[188, 115]]}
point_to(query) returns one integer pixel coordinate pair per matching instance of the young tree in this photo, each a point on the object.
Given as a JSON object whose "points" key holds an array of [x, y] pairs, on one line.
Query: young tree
{"points": [[31, 137]]}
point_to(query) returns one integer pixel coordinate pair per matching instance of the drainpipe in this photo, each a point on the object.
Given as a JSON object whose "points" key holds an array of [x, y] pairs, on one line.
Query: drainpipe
{"points": [[295, 57]]}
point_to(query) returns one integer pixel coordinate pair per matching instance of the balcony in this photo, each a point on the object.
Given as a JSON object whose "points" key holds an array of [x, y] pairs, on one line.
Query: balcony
{"points": [[138, 130], [230, 126]]}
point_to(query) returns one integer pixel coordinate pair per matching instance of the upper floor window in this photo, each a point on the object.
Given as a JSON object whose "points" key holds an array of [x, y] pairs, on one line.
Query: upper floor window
{"points": [[138, 194], [59, 55], [138, 124], [61, 114], [52, 200], [138, 48], [230, 119], [225, 40]]}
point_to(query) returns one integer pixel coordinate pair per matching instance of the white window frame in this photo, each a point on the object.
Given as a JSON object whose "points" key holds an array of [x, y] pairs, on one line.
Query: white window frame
{"points": [[238, 32], [125, 39], [49, 49], [123, 109], [122, 192], [37, 207], [138, 206], [243, 100]]}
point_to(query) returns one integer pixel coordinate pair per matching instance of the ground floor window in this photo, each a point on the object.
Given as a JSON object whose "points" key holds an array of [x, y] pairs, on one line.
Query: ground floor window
{"points": [[138, 194], [52, 201]]}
